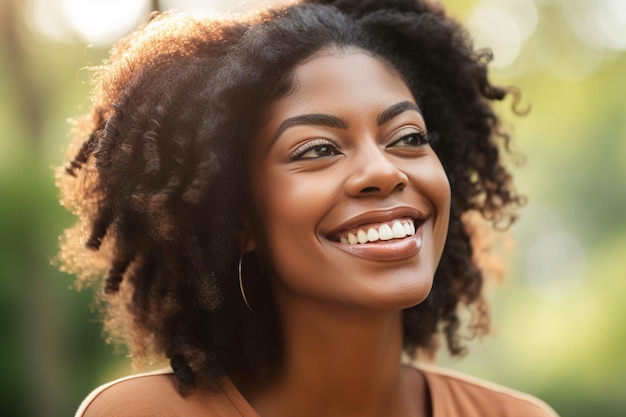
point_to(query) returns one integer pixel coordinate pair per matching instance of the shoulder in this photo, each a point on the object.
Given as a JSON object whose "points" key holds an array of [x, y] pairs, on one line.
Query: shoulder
{"points": [[156, 394], [149, 394], [456, 394]]}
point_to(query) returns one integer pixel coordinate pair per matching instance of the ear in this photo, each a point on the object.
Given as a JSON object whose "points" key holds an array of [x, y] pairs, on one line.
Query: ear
{"points": [[245, 235]]}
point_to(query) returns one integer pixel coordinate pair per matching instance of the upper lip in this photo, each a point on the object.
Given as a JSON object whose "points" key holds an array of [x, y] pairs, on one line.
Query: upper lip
{"points": [[378, 216]]}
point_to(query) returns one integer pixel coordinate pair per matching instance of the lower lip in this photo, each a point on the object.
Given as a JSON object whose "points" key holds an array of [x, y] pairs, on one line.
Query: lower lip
{"points": [[387, 250]]}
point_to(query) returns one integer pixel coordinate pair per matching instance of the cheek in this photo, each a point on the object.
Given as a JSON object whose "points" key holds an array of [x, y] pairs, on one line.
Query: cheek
{"points": [[278, 201], [441, 194], [434, 186], [287, 212], [283, 242], [441, 197]]}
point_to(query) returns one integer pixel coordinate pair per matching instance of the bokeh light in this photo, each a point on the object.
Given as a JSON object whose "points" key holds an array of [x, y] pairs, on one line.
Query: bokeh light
{"points": [[97, 22], [601, 23], [102, 22], [503, 26]]}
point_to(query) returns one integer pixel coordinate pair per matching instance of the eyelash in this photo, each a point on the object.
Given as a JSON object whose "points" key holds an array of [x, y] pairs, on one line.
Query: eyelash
{"points": [[423, 137], [308, 146]]}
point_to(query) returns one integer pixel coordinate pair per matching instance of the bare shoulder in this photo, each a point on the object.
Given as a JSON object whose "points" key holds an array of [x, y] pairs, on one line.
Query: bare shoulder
{"points": [[153, 394], [156, 394], [455, 394]]}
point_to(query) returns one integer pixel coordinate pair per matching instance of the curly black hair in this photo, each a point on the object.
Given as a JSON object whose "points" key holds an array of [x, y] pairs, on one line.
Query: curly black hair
{"points": [[158, 172]]}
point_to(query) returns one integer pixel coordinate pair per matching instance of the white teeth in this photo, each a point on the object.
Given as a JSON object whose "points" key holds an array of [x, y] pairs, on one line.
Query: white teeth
{"points": [[362, 236], [398, 230], [385, 232]]}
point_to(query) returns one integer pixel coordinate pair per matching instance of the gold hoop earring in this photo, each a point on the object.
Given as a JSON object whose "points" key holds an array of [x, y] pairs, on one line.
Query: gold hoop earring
{"points": [[243, 292]]}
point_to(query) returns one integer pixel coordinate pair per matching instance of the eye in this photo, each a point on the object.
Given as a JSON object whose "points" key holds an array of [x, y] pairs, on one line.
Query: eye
{"points": [[315, 149], [410, 138]]}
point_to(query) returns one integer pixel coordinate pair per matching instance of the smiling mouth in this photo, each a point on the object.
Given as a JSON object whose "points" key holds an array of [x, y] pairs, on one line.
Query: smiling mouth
{"points": [[379, 232]]}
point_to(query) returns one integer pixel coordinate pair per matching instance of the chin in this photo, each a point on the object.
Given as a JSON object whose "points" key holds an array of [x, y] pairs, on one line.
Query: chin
{"points": [[401, 297]]}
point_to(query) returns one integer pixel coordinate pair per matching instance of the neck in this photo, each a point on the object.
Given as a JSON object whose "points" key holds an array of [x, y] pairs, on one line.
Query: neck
{"points": [[339, 362]]}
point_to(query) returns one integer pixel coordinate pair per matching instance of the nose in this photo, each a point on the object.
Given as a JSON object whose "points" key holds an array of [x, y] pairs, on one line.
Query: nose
{"points": [[374, 174]]}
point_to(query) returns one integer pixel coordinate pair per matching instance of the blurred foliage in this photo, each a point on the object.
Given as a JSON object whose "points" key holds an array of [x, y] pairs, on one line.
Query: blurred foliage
{"points": [[559, 317]]}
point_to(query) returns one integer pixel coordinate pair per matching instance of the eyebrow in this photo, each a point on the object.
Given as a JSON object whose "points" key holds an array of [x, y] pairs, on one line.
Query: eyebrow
{"points": [[309, 119], [319, 119], [395, 110]]}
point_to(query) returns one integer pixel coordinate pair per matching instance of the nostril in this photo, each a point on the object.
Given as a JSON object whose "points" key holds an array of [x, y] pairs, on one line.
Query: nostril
{"points": [[370, 190]]}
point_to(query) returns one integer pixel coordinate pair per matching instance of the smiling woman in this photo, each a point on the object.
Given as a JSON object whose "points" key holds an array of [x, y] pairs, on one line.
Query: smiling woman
{"points": [[277, 204]]}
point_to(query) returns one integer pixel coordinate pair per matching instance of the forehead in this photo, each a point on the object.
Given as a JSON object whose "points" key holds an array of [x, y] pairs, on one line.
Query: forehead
{"points": [[337, 79]]}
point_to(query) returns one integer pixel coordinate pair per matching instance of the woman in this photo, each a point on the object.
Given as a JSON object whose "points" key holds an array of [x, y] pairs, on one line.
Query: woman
{"points": [[282, 205]]}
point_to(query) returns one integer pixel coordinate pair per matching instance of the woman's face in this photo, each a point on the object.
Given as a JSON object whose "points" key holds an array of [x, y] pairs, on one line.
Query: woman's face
{"points": [[351, 202]]}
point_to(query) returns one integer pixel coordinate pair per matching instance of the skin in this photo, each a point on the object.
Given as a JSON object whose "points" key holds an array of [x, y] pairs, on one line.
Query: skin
{"points": [[365, 161]]}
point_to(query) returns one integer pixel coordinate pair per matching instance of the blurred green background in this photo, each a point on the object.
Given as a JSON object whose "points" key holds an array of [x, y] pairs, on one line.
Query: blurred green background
{"points": [[559, 315]]}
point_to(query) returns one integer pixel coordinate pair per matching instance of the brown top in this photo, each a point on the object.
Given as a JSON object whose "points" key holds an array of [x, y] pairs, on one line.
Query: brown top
{"points": [[155, 394]]}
